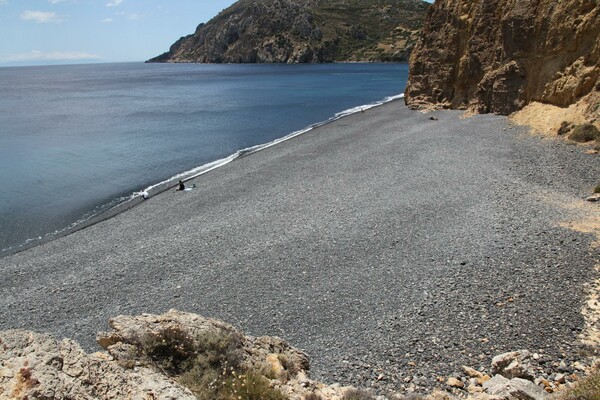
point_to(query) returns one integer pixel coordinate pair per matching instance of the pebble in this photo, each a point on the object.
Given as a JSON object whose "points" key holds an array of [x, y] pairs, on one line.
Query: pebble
{"points": [[453, 382], [560, 378]]}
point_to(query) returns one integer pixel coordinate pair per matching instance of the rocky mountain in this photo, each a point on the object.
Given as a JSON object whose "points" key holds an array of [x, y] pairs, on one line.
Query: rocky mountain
{"points": [[498, 56], [304, 31]]}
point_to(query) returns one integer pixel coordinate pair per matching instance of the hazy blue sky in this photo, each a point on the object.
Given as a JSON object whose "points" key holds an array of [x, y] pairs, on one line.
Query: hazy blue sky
{"points": [[71, 31]]}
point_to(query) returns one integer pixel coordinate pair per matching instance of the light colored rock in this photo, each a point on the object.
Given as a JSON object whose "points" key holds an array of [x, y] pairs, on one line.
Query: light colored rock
{"points": [[439, 395], [453, 382], [593, 198], [578, 365], [515, 388], [37, 366], [560, 378], [483, 379], [525, 390], [473, 389], [496, 385], [276, 368], [515, 364], [471, 372], [562, 366]]}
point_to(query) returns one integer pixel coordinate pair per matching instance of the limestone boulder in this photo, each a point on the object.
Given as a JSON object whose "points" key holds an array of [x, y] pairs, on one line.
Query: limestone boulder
{"points": [[37, 366], [515, 388], [515, 364], [134, 332]]}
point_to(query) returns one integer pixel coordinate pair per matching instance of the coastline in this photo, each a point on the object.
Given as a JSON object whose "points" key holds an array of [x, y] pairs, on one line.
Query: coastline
{"points": [[373, 242], [125, 203]]}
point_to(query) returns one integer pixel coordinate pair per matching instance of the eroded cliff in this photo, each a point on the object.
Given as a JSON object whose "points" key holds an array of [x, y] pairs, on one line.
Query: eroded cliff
{"points": [[500, 55], [304, 31]]}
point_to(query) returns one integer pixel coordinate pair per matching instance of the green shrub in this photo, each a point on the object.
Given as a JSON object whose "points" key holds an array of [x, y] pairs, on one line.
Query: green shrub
{"points": [[215, 372], [597, 189], [584, 133], [209, 365], [216, 351], [169, 349], [565, 128], [586, 389], [248, 386], [291, 367], [356, 394], [205, 384], [229, 384], [175, 352]]}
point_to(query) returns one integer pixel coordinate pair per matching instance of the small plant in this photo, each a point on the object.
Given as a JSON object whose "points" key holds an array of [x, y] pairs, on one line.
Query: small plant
{"points": [[586, 389], [205, 384], [229, 384], [597, 189], [312, 396], [128, 358], [565, 128], [209, 364], [216, 350], [356, 394], [584, 133], [169, 349], [248, 386], [288, 365]]}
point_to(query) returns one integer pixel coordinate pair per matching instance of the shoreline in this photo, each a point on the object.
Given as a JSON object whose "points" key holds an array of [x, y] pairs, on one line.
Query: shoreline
{"points": [[381, 243], [135, 198]]}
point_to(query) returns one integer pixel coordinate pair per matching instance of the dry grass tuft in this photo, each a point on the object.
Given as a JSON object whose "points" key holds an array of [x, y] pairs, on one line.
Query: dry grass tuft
{"points": [[584, 133], [586, 389]]}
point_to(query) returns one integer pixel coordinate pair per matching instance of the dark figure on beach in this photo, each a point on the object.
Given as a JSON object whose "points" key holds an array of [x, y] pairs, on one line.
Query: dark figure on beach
{"points": [[181, 186]]}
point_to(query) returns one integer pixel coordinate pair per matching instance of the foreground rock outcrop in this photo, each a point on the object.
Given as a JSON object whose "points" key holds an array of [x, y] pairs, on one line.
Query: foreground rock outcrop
{"points": [[184, 356], [304, 31], [37, 366], [499, 56], [152, 357]]}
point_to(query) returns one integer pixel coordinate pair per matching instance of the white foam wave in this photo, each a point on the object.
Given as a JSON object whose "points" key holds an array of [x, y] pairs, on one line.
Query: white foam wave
{"points": [[203, 169]]}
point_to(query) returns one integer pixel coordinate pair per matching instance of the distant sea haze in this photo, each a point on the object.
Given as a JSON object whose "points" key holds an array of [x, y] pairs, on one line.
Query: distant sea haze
{"points": [[77, 140]]}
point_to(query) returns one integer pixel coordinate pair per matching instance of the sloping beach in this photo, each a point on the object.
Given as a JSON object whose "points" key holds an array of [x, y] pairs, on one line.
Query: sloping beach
{"points": [[384, 243]]}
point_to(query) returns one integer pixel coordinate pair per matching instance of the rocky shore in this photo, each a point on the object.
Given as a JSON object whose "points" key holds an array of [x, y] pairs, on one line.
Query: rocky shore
{"points": [[392, 247], [165, 357]]}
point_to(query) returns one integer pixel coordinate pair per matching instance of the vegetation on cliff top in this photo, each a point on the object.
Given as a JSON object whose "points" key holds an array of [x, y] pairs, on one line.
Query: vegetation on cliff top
{"points": [[300, 31], [211, 371]]}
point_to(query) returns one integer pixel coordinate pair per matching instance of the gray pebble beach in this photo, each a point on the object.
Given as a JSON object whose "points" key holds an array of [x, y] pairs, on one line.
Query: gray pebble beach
{"points": [[390, 247]]}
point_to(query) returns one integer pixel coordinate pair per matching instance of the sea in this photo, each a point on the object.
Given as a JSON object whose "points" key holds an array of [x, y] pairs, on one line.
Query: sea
{"points": [[77, 141]]}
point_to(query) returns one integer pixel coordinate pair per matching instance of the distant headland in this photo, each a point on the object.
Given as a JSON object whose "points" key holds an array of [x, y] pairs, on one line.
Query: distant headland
{"points": [[306, 31]]}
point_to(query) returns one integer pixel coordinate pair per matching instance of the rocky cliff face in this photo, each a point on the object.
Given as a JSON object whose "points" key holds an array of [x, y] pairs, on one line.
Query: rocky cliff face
{"points": [[304, 31], [175, 355], [499, 55]]}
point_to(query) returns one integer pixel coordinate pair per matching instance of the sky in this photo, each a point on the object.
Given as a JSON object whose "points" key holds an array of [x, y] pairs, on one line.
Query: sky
{"points": [[39, 32]]}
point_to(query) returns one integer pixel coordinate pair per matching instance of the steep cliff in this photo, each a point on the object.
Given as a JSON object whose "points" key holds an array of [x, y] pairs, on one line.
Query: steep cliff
{"points": [[500, 55], [304, 31]]}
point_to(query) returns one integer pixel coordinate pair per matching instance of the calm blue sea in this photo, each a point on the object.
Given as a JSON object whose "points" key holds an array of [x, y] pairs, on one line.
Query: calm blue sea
{"points": [[76, 140]]}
